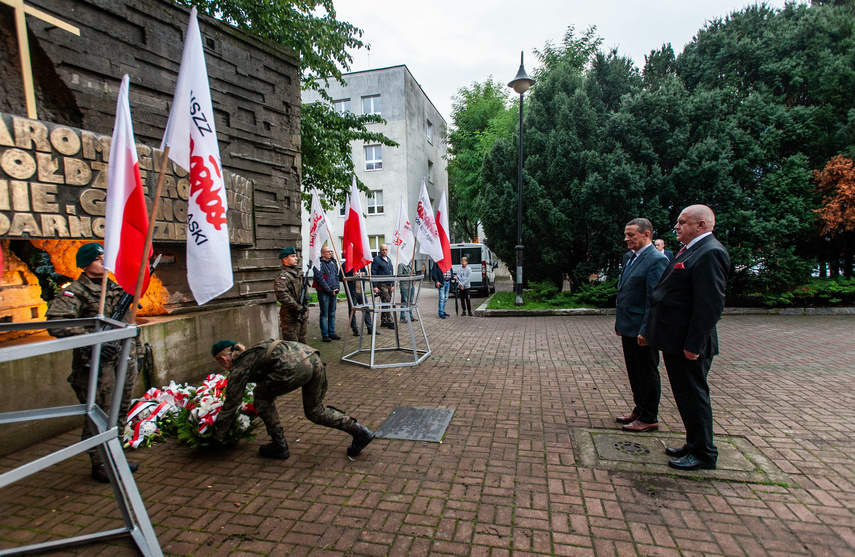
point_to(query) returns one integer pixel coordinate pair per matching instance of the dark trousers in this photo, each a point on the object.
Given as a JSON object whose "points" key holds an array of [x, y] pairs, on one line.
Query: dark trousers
{"points": [[692, 394], [642, 363], [465, 303], [358, 300]]}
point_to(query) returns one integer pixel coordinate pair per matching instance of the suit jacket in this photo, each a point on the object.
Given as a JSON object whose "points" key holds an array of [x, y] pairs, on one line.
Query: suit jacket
{"points": [[688, 300], [382, 267], [669, 254], [634, 288]]}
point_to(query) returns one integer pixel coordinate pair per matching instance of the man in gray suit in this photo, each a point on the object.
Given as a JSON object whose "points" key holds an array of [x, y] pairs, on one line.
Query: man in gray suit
{"points": [[642, 267]]}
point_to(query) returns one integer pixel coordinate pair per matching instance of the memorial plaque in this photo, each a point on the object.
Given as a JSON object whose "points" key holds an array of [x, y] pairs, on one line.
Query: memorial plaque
{"points": [[53, 184], [416, 424]]}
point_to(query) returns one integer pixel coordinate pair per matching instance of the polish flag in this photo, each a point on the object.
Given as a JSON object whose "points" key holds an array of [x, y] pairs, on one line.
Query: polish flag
{"points": [[126, 222], [318, 231], [442, 228], [356, 233], [347, 247], [192, 141], [426, 230]]}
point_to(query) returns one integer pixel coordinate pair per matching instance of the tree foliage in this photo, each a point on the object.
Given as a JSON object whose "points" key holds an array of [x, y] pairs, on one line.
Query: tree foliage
{"points": [[738, 121], [837, 184], [322, 42], [480, 115]]}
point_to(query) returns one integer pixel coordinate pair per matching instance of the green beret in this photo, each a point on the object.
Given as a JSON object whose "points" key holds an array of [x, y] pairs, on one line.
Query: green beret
{"points": [[221, 345], [88, 253], [286, 252]]}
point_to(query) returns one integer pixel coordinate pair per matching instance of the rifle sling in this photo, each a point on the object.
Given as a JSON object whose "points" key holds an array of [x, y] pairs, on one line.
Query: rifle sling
{"points": [[270, 348]]}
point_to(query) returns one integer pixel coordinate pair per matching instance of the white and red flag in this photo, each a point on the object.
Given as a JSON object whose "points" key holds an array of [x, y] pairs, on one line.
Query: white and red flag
{"points": [[356, 233], [402, 237], [126, 222], [192, 141], [318, 231], [426, 231], [442, 228]]}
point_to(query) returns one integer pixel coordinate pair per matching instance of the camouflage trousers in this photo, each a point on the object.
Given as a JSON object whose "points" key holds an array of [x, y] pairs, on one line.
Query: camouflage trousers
{"points": [[311, 375], [385, 297], [293, 330], [79, 380]]}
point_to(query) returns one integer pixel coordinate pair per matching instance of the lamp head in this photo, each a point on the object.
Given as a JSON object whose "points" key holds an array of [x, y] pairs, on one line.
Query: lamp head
{"points": [[522, 81]]}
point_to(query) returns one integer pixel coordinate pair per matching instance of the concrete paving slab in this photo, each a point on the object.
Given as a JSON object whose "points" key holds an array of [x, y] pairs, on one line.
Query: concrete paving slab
{"points": [[738, 459]]}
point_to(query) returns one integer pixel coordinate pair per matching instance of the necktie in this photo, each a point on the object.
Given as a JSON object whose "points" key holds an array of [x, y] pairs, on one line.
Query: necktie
{"points": [[682, 249], [631, 259]]}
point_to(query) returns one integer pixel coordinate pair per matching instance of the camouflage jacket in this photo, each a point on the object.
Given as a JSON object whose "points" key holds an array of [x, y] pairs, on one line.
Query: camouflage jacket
{"points": [[81, 299], [288, 287], [252, 366]]}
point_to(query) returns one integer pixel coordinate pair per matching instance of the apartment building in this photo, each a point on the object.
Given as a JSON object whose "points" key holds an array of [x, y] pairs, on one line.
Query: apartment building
{"points": [[391, 173]]}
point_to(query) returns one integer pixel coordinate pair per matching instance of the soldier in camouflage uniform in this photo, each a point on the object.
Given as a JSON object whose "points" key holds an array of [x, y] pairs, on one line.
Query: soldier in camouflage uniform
{"points": [[279, 367], [81, 299], [293, 317]]}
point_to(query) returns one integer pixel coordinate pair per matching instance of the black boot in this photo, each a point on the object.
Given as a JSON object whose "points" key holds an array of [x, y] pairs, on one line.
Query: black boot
{"points": [[277, 449], [99, 471], [361, 437]]}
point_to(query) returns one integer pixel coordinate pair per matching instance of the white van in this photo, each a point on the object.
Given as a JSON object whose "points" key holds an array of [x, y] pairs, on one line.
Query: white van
{"points": [[483, 263]]}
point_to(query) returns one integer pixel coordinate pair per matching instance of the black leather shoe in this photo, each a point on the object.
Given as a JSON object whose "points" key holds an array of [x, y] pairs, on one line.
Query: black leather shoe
{"points": [[677, 453], [356, 332], [335, 337], [689, 462], [326, 339]]}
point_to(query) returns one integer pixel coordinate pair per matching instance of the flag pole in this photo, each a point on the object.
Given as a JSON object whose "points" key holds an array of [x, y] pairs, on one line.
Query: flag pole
{"points": [[147, 247], [103, 301]]}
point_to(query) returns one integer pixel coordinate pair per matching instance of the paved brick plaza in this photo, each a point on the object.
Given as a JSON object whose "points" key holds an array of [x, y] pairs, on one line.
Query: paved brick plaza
{"points": [[507, 479]]}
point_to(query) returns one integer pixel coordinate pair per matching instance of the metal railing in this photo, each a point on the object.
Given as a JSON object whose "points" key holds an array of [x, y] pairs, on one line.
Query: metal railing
{"points": [[106, 440], [373, 307]]}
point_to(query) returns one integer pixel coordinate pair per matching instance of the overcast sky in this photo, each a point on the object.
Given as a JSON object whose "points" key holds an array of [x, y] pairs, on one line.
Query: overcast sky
{"points": [[449, 44]]}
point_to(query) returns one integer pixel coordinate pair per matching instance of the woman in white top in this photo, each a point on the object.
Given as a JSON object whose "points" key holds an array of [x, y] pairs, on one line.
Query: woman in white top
{"points": [[463, 286]]}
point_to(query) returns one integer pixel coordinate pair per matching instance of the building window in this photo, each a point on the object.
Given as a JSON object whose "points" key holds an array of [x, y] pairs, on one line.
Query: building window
{"points": [[371, 105], [374, 157], [342, 105], [430, 172], [341, 210], [375, 202], [429, 131], [375, 242]]}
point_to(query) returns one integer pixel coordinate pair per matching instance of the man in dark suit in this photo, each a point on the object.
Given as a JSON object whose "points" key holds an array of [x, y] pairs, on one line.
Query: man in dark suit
{"points": [[684, 309], [383, 266], [659, 244], [642, 267]]}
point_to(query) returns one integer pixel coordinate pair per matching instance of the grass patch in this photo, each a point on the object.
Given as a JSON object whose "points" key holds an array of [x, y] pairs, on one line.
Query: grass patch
{"points": [[544, 295]]}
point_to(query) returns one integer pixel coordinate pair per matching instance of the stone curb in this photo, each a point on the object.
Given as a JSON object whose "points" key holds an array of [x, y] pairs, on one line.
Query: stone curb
{"points": [[482, 311]]}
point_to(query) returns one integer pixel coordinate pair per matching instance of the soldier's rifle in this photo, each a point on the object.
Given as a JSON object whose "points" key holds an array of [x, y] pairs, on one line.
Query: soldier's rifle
{"points": [[122, 307], [304, 295]]}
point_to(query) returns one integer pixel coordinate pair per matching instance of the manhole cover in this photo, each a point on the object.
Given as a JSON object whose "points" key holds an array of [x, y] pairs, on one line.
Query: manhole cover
{"points": [[630, 448]]}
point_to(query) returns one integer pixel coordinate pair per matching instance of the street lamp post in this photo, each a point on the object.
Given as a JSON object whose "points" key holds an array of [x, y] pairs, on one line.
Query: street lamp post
{"points": [[520, 84]]}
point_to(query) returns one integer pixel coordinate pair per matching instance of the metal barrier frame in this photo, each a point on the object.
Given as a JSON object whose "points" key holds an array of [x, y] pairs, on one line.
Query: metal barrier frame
{"points": [[375, 307], [106, 440]]}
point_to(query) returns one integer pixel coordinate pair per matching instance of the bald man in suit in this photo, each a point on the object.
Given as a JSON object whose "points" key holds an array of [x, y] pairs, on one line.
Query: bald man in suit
{"points": [[684, 309]]}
